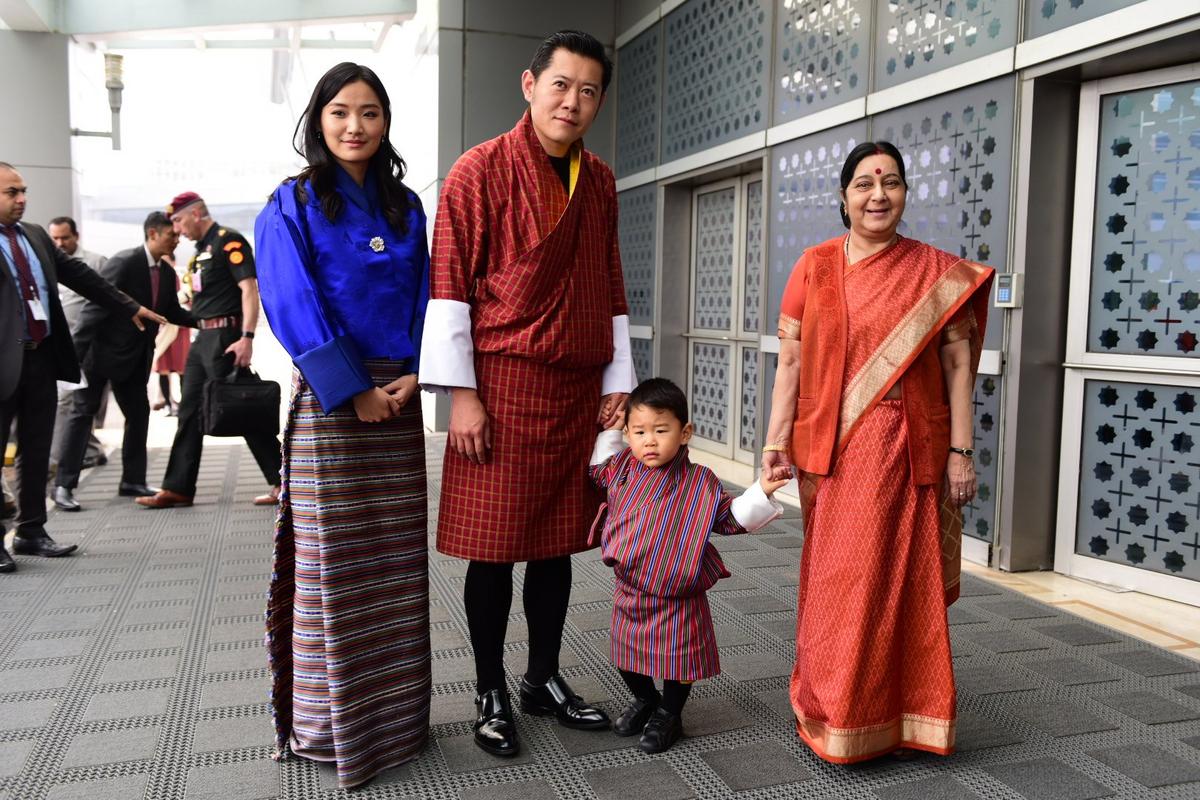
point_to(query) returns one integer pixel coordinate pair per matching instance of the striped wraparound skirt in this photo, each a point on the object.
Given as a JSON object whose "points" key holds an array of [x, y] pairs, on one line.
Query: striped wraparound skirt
{"points": [[664, 637], [348, 608]]}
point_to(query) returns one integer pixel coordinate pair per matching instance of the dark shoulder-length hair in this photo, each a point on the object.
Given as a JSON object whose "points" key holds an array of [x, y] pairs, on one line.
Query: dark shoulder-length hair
{"points": [[866, 150], [386, 165]]}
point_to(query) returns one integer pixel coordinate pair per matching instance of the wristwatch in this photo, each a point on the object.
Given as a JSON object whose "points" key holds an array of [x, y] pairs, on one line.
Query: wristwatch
{"points": [[247, 334], [963, 451]]}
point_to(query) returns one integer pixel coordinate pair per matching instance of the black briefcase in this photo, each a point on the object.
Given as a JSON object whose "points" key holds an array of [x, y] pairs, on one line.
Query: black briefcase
{"points": [[239, 404]]}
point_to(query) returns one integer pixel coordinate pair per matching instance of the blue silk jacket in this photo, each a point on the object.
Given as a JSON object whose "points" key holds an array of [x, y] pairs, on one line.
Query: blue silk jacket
{"points": [[338, 293]]}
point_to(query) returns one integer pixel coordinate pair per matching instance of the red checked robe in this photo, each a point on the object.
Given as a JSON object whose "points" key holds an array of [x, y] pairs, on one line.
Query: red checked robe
{"points": [[541, 273]]}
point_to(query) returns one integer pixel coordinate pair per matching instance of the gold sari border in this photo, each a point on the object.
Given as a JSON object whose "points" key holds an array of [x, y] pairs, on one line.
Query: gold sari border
{"points": [[849, 745], [789, 327]]}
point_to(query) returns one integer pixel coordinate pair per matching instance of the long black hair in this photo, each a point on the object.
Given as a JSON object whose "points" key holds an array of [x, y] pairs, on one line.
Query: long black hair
{"points": [[386, 165], [866, 150]]}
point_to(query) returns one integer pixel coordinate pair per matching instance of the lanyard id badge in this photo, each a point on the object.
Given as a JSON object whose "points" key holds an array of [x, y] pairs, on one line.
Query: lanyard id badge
{"points": [[37, 310]]}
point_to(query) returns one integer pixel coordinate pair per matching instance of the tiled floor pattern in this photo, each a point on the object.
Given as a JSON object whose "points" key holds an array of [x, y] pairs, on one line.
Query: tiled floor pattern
{"points": [[135, 669]]}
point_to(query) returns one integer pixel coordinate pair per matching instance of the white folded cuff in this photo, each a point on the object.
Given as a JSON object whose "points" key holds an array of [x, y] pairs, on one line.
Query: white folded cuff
{"points": [[753, 509], [447, 350], [619, 375], [608, 444]]}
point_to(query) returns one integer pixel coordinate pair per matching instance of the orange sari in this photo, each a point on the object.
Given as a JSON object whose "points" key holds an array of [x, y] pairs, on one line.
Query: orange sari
{"points": [[880, 564]]}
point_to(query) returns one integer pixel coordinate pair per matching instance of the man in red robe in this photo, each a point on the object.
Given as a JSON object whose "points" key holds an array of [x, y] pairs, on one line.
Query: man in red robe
{"points": [[528, 329]]}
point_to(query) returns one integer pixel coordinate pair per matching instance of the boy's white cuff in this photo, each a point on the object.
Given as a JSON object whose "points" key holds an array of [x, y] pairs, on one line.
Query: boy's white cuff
{"points": [[753, 509], [447, 350], [619, 375], [608, 444]]}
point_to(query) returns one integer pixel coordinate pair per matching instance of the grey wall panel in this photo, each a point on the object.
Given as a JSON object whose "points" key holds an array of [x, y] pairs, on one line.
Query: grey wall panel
{"points": [[1046, 16], [643, 358], [637, 229], [631, 12], [979, 516], [804, 203], [717, 63], [542, 17], [638, 102], [822, 54], [958, 154], [917, 37]]}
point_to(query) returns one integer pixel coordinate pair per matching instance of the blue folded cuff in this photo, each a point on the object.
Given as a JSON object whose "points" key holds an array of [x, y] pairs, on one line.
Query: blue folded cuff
{"points": [[335, 372]]}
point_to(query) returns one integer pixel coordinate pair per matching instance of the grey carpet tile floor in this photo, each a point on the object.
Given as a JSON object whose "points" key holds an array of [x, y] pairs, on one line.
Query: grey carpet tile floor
{"points": [[135, 669]]}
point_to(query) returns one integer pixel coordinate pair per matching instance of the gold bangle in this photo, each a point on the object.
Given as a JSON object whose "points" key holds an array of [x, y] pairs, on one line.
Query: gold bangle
{"points": [[775, 448]]}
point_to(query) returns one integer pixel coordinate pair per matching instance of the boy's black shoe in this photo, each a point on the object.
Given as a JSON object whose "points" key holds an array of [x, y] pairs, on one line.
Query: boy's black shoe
{"points": [[556, 698], [635, 716], [494, 728], [662, 731]]}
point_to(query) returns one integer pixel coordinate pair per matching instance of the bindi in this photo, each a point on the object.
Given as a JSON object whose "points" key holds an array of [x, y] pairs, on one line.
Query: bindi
{"points": [[878, 171]]}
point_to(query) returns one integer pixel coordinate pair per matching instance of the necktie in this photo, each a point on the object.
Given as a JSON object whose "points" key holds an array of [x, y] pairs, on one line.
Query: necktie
{"points": [[29, 290], [155, 276]]}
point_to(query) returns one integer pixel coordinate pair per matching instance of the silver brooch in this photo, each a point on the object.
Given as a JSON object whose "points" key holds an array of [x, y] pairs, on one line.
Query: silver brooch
{"points": [[377, 244]]}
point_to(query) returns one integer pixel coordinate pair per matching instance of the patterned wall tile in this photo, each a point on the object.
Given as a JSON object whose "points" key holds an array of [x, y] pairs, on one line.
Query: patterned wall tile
{"points": [[958, 155], [1145, 293], [1046, 16], [638, 101], [822, 52], [752, 276], [748, 420], [715, 86], [643, 358], [712, 285], [917, 37], [709, 393], [979, 516], [804, 203], [637, 231], [1139, 477]]}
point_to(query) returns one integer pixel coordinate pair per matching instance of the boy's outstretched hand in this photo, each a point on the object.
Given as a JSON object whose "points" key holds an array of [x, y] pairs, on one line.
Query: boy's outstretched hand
{"points": [[769, 486]]}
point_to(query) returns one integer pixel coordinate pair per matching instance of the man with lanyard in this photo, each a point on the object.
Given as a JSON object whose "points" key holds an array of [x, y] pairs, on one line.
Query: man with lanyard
{"points": [[528, 330], [225, 305]]}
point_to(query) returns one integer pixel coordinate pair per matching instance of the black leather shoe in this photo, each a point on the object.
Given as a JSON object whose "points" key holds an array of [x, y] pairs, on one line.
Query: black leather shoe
{"points": [[662, 731], [136, 490], [6, 561], [495, 732], [64, 498], [634, 718], [41, 545], [556, 698]]}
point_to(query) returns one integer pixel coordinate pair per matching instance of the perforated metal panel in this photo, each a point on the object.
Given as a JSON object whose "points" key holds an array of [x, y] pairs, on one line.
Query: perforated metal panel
{"points": [[712, 285], [979, 516], [1145, 290], [958, 154], [637, 232], [1139, 482], [1045, 16], [715, 85], [638, 101], [804, 202], [643, 358], [918, 37], [822, 52], [753, 273], [748, 420], [709, 393]]}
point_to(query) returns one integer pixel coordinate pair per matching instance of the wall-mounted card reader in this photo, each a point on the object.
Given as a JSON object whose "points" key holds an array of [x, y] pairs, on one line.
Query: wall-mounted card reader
{"points": [[1009, 289]]}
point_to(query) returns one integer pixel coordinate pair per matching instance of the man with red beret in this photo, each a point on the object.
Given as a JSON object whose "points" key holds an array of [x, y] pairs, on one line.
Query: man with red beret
{"points": [[225, 303]]}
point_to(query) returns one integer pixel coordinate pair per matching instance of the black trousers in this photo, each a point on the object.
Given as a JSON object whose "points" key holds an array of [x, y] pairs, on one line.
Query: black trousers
{"points": [[487, 596], [130, 394], [207, 359], [32, 404]]}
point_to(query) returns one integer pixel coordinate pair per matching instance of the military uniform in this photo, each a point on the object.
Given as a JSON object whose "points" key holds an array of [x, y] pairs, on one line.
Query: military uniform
{"points": [[223, 257]]}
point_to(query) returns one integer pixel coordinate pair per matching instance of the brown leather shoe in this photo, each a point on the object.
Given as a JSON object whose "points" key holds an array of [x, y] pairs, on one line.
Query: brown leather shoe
{"points": [[165, 498], [268, 499]]}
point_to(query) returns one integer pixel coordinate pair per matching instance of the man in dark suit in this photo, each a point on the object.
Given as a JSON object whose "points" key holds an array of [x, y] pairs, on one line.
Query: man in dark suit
{"points": [[36, 351], [111, 351]]}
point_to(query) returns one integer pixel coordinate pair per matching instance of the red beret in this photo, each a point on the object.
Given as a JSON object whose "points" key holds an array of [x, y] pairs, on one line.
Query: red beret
{"points": [[182, 201]]}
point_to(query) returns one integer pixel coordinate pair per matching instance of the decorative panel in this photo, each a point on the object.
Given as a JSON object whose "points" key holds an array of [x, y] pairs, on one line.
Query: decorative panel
{"points": [[752, 275], [748, 421], [715, 85], [712, 283], [804, 203], [637, 229], [1046, 16], [979, 516], [1139, 477], [1145, 292], [917, 37], [638, 102], [710, 390], [643, 358], [822, 52], [958, 156]]}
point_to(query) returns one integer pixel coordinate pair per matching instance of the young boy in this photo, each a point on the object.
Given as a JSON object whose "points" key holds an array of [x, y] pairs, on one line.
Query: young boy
{"points": [[661, 510]]}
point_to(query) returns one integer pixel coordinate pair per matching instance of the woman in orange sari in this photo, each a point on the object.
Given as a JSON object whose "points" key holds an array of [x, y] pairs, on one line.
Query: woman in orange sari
{"points": [[880, 337]]}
